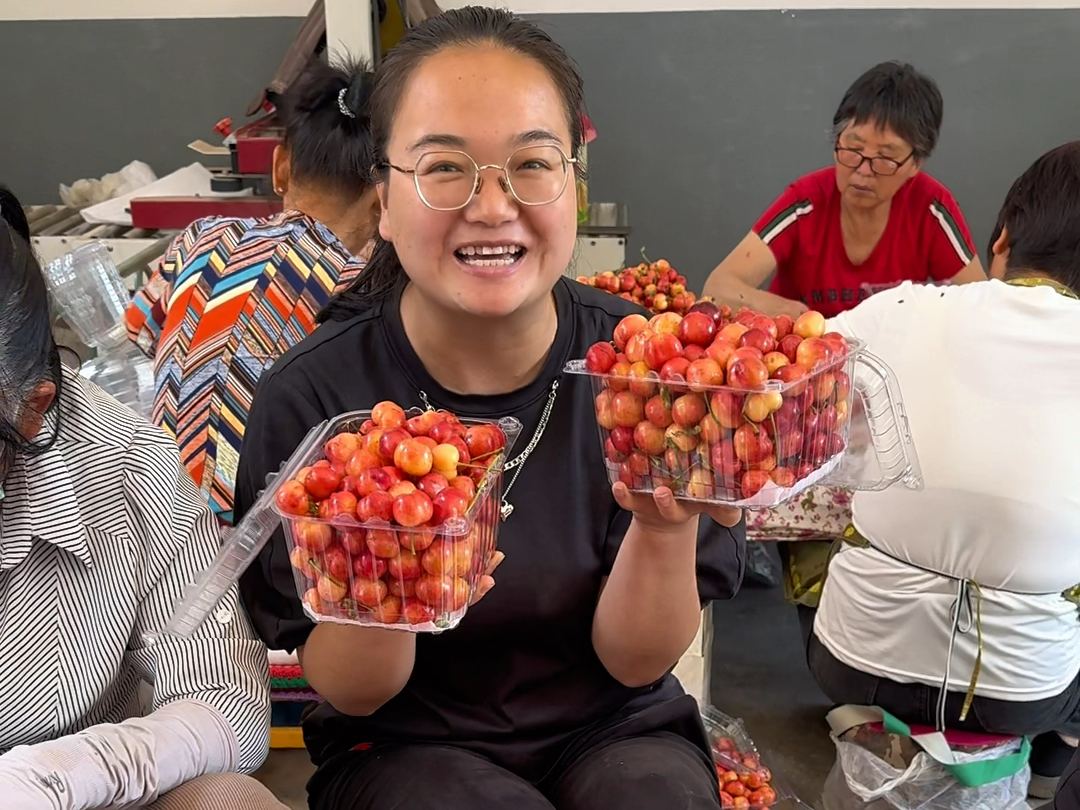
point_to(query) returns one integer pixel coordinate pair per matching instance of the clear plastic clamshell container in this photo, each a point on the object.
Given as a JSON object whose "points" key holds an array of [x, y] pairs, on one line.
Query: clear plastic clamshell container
{"points": [[359, 553], [91, 295], [843, 424]]}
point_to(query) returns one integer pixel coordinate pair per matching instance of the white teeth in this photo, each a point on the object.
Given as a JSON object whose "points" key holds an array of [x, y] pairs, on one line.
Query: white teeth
{"points": [[501, 261], [493, 255], [489, 250]]}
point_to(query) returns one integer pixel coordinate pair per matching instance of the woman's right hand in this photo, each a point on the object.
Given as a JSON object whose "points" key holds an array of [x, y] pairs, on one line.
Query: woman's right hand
{"points": [[487, 581], [793, 309]]}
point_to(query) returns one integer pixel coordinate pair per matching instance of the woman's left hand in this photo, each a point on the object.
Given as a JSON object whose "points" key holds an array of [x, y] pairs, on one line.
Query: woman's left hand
{"points": [[663, 512]]}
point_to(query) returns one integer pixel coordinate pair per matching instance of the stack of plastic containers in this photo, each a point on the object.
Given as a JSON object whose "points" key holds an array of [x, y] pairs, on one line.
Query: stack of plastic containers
{"points": [[87, 287]]}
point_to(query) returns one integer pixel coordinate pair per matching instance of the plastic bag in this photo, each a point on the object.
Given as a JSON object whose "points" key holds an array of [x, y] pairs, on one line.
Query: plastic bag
{"points": [[875, 770], [740, 768], [89, 191], [762, 565]]}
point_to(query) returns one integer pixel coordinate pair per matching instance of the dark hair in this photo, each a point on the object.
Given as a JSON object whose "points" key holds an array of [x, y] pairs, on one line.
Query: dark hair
{"points": [[328, 126], [28, 352], [472, 25], [895, 95], [1041, 213], [11, 211]]}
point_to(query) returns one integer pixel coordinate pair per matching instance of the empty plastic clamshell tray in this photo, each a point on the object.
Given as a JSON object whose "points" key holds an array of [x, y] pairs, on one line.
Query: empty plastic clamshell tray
{"points": [[366, 572], [843, 424]]}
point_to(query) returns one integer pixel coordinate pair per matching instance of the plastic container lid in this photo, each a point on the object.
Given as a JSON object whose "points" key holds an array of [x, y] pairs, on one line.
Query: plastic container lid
{"points": [[240, 546]]}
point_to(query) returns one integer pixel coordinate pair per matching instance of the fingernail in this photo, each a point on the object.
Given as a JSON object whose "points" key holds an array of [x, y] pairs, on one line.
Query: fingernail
{"points": [[499, 557]]}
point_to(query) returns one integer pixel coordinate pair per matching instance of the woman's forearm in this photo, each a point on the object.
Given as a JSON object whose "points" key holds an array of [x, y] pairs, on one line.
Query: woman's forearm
{"points": [[124, 764], [358, 669], [738, 294], [649, 611]]}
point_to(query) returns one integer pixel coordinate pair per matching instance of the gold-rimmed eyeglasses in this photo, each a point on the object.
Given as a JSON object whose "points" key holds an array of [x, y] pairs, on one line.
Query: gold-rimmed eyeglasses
{"points": [[448, 181]]}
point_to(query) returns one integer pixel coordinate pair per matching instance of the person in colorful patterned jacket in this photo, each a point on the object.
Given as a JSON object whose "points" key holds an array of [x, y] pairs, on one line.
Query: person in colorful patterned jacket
{"points": [[232, 294], [872, 220]]}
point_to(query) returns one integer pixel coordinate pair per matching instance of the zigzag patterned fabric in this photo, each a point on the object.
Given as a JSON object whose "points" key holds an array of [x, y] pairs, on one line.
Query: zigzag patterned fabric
{"points": [[229, 297]]}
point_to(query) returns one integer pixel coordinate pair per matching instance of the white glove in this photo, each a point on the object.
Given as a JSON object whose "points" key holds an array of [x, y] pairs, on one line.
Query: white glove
{"points": [[23, 790], [119, 766]]}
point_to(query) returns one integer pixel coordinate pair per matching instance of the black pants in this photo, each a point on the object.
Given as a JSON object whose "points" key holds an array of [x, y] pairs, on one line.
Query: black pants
{"points": [[1068, 792], [652, 772], [916, 703]]}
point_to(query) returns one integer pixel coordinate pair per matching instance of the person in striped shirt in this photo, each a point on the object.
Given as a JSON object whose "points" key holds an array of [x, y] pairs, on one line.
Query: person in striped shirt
{"points": [[868, 222], [101, 529], [231, 294]]}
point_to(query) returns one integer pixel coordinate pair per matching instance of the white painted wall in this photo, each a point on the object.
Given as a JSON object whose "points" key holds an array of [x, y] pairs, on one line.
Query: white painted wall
{"points": [[176, 9]]}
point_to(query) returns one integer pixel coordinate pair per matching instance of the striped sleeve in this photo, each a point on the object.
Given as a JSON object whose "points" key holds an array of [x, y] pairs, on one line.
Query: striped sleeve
{"points": [[145, 315], [951, 247], [776, 227], [222, 665]]}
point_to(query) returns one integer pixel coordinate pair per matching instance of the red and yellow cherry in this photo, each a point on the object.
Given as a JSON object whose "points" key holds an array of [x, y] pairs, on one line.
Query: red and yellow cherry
{"points": [[810, 324], [368, 566], [600, 358], [388, 415], [413, 458], [627, 328], [747, 373], [813, 353], [412, 509], [340, 448], [292, 498], [311, 536], [698, 329], [774, 361], [704, 374]]}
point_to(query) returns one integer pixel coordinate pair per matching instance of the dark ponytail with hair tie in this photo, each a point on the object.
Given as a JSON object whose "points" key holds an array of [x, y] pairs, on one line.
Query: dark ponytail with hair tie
{"points": [[356, 96], [327, 126]]}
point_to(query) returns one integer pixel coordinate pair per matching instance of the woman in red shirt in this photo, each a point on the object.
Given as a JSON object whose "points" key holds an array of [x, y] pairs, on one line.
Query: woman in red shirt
{"points": [[871, 220]]}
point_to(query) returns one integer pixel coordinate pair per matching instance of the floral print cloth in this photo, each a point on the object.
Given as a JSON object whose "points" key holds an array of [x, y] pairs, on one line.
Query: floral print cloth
{"points": [[820, 513]]}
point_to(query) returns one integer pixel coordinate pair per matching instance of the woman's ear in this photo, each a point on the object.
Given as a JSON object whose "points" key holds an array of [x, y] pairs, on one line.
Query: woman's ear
{"points": [[33, 413], [1001, 244], [382, 194], [999, 260], [279, 170]]}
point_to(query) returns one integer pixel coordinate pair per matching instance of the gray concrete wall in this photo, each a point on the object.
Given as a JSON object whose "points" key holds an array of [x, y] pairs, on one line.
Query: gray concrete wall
{"points": [[704, 117]]}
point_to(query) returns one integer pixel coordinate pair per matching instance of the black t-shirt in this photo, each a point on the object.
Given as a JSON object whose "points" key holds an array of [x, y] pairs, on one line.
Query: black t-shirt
{"points": [[518, 680]]}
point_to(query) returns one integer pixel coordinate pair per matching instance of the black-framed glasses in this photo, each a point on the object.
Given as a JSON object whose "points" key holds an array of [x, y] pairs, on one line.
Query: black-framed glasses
{"points": [[448, 180], [881, 166]]}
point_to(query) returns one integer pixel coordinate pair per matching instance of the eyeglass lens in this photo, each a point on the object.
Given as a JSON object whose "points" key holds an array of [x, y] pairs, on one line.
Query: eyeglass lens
{"points": [[853, 159], [537, 175]]}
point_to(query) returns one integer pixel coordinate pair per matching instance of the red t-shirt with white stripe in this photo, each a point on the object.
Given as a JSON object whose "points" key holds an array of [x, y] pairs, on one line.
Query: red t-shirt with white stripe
{"points": [[926, 239]]}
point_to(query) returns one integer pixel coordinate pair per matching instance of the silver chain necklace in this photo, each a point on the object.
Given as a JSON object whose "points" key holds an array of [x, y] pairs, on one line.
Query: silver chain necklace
{"points": [[517, 464]]}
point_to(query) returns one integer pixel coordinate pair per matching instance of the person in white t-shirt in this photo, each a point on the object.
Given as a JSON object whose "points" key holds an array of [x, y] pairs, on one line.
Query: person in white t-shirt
{"points": [[990, 376]]}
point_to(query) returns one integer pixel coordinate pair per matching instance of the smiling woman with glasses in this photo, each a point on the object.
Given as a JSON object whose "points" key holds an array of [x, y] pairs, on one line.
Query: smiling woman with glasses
{"points": [[555, 692], [870, 221]]}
